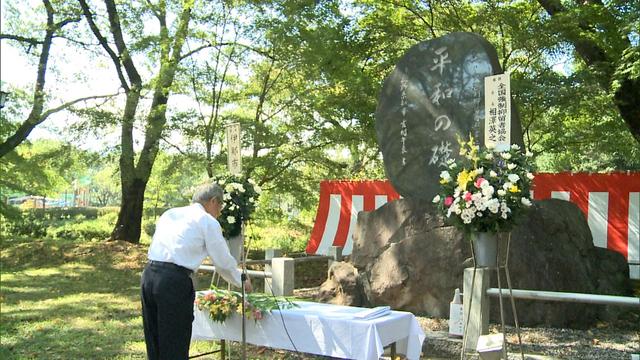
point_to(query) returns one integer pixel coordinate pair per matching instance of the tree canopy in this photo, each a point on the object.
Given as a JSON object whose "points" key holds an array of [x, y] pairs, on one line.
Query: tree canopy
{"points": [[302, 77]]}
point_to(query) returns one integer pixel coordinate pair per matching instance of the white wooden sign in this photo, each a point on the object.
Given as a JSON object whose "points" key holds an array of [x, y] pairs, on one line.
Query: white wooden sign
{"points": [[233, 149], [497, 111]]}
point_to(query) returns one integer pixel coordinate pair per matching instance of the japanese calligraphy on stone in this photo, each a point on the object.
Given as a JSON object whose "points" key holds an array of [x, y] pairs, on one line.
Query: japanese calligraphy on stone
{"points": [[433, 96]]}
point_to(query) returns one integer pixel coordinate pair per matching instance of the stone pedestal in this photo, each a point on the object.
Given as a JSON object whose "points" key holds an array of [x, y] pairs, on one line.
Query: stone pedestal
{"points": [[474, 295], [283, 275], [268, 255]]}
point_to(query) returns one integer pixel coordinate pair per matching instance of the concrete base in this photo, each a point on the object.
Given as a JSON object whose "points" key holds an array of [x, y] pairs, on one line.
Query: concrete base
{"points": [[475, 289]]}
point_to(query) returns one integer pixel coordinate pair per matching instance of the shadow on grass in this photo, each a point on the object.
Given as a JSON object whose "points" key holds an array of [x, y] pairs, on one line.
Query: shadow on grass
{"points": [[69, 300]]}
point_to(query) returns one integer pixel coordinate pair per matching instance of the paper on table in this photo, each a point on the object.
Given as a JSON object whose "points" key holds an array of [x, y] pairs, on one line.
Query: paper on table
{"points": [[373, 313]]}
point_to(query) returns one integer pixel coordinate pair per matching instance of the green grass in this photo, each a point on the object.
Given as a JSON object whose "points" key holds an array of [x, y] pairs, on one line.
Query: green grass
{"points": [[66, 299]]}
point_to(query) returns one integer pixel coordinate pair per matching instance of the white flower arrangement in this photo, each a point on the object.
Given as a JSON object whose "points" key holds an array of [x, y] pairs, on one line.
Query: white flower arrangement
{"points": [[485, 191], [240, 199]]}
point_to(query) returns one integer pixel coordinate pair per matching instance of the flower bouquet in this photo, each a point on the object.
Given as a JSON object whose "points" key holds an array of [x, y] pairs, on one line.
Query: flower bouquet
{"points": [[485, 190], [240, 196], [220, 304]]}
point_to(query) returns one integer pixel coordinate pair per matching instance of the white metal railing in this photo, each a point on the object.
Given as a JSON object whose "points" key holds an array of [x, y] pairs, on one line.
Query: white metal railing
{"points": [[476, 292], [252, 273], [567, 297]]}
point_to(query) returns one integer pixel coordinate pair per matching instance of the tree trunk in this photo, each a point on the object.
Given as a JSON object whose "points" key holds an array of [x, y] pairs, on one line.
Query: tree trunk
{"points": [[134, 177], [627, 99], [602, 61], [129, 221]]}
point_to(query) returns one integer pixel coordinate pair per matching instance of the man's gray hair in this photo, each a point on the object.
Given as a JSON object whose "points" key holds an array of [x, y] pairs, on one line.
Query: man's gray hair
{"points": [[206, 192]]}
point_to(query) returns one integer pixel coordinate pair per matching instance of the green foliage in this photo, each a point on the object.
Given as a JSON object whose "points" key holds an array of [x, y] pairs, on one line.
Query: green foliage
{"points": [[84, 230], [70, 223], [105, 184], [169, 182], [302, 78], [27, 223], [149, 228], [44, 167], [280, 232]]}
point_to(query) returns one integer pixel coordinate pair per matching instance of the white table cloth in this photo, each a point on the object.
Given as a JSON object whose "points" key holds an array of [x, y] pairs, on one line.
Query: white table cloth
{"points": [[323, 329]]}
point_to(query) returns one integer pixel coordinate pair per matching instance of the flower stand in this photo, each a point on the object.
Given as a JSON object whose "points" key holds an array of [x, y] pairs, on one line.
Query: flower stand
{"points": [[490, 252]]}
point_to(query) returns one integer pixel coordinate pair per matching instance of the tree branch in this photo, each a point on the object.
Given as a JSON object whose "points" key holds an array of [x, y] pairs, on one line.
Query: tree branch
{"points": [[19, 38], [59, 25], [233, 43], [28, 125], [123, 51], [73, 102], [105, 44]]}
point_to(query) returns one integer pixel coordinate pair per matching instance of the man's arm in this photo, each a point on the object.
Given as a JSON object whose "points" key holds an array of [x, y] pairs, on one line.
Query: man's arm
{"points": [[218, 251]]}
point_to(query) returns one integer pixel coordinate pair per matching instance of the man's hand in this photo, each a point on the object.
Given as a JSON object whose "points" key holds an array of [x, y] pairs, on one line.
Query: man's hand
{"points": [[247, 285]]}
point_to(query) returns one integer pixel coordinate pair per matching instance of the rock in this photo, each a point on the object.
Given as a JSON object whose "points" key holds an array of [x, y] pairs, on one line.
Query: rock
{"points": [[552, 250], [434, 95], [406, 257], [342, 286]]}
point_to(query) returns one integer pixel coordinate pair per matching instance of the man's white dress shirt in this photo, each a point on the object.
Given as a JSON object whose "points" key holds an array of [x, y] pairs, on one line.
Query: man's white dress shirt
{"points": [[186, 235]]}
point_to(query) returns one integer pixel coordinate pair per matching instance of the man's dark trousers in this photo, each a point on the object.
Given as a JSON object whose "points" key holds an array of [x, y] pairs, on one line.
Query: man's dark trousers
{"points": [[167, 310]]}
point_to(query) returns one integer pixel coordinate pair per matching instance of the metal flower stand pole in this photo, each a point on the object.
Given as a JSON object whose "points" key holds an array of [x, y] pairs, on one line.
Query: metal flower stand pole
{"points": [[481, 319]]}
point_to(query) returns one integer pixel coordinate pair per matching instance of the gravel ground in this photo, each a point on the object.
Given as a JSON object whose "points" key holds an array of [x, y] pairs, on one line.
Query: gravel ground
{"points": [[604, 342], [617, 340]]}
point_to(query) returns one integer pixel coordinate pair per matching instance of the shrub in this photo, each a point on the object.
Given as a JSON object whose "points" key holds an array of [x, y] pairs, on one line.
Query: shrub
{"points": [[149, 228], [65, 213], [278, 237], [154, 212], [27, 223], [109, 217], [86, 230]]}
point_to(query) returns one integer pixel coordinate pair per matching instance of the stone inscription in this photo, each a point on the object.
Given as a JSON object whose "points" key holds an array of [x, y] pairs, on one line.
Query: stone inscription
{"points": [[434, 94]]}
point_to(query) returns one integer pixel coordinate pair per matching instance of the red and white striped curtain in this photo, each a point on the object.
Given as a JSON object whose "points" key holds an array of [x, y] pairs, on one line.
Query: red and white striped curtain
{"points": [[340, 203], [610, 202]]}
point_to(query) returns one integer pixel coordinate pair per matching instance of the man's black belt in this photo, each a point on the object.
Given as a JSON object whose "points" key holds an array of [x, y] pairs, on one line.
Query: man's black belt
{"points": [[172, 266]]}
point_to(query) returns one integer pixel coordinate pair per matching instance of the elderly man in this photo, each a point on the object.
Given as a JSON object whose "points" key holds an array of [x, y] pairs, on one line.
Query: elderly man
{"points": [[184, 236]]}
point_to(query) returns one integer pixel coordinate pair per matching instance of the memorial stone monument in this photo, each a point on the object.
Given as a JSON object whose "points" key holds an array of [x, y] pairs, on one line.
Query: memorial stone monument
{"points": [[434, 95], [404, 255]]}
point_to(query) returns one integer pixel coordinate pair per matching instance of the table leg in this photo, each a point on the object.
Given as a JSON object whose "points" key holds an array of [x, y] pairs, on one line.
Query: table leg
{"points": [[223, 351], [393, 351]]}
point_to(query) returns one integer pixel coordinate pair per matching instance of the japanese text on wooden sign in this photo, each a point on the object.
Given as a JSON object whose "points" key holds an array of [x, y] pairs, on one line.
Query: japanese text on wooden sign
{"points": [[233, 149], [497, 110]]}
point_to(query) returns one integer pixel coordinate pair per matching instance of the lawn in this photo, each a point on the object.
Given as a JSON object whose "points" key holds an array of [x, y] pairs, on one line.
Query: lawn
{"points": [[69, 299]]}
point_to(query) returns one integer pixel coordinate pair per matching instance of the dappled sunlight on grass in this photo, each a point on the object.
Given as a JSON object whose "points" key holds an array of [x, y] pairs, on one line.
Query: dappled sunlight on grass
{"points": [[80, 300], [65, 300]]}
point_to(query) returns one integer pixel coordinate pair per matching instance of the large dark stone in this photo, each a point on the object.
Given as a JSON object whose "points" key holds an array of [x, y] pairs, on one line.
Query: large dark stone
{"points": [[423, 107], [407, 258], [553, 250]]}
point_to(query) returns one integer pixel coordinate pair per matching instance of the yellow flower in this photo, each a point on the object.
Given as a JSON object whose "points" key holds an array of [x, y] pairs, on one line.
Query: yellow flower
{"points": [[444, 181], [514, 189], [464, 177], [473, 149]]}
